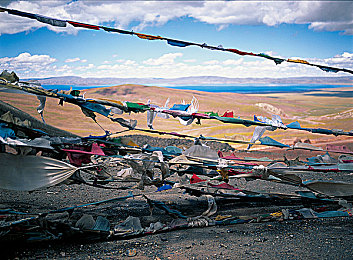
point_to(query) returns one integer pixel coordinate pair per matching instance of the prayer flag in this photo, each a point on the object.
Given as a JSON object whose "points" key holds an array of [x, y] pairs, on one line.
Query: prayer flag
{"points": [[84, 25]]}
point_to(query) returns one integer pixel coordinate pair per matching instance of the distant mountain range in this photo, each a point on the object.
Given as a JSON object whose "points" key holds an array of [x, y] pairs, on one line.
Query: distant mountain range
{"points": [[192, 81]]}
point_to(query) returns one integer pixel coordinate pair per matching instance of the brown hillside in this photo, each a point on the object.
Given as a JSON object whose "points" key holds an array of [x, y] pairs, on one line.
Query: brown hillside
{"points": [[330, 110]]}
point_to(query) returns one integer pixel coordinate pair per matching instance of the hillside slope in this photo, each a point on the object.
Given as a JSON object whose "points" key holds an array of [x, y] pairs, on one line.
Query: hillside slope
{"points": [[330, 108]]}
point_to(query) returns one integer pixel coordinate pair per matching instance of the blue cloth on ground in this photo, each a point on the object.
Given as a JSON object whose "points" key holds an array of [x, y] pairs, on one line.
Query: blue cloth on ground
{"points": [[5, 131]]}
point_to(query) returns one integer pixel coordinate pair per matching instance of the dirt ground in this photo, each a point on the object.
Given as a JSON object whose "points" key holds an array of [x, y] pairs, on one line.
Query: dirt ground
{"points": [[302, 239], [330, 238]]}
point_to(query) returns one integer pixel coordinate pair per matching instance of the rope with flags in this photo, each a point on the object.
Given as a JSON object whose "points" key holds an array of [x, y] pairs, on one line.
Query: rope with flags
{"points": [[170, 41]]}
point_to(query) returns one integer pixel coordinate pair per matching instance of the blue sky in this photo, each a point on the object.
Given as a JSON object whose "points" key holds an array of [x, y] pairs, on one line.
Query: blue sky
{"points": [[319, 32]]}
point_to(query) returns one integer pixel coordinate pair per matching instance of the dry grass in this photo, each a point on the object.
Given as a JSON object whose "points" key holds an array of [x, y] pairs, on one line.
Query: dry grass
{"points": [[310, 111]]}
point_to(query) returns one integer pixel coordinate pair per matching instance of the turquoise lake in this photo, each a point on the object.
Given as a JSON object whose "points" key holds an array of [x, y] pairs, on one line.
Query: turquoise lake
{"points": [[244, 89]]}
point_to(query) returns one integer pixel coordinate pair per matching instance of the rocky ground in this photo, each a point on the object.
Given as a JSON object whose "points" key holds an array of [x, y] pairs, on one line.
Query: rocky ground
{"points": [[314, 239], [330, 238]]}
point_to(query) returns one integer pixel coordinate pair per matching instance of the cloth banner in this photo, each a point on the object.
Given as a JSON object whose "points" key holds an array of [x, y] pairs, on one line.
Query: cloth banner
{"points": [[27, 173]]}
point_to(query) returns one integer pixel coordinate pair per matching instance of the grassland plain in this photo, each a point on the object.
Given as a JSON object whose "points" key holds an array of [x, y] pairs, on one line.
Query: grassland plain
{"points": [[331, 109]]}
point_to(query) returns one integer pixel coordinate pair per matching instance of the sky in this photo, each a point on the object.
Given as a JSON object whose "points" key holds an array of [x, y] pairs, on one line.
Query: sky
{"points": [[320, 32]]}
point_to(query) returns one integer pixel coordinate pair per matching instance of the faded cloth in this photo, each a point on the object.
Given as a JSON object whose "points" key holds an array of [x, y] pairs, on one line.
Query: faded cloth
{"points": [[331, 188], [27, 173], [203, 152]]}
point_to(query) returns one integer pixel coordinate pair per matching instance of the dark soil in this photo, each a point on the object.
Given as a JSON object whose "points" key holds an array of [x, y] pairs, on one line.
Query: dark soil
{"points": [[290, 239]]}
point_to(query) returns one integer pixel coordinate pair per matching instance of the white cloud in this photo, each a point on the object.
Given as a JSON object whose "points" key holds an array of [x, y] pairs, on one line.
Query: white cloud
{"points": [[211, 62], [64, 68], [27, 62], [166, 59], [72, 60], [241, 68], [190, 60], [343, 60], [319, 15], [130, 62], [166, 66], [233, 62]]}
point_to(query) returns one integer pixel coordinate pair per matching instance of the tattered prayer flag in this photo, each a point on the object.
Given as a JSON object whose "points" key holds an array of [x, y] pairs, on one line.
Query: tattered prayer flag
{"points": [[115, 30], [228, 114], [95, 150], [183, 160], [23, 14], [84, 25], [241, 52], [98, 108], [271, 142], [306, 146], [27, 173], [178, 43], [224, 186], [139, 107], [164, 187], [40, 108], [321, 131], [201, 115], [196, 179], [211, 113], [298, 61], [327, 69], [232, 120], [182, 107], [51, 21], [131, 124], [77, 157], [148, 37], [294, 125], [331, 188], [276, 60]]}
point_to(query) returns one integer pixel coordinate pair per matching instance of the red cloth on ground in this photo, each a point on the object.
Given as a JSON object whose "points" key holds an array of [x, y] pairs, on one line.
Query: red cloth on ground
{"points": [[195, 179], [224, 186]]}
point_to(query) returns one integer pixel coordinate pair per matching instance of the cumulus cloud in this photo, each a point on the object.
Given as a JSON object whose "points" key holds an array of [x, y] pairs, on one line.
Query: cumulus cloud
{"points": [[72, 60], [190, 60], [166, 59], [233, 62], [211, 62], [319, 15], [166, 66], [171, 65], [75, 60], [342, 60], [26, 62]]}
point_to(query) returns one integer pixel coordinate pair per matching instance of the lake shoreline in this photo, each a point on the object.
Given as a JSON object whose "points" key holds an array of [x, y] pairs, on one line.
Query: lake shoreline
{"points": [[239, 89]]}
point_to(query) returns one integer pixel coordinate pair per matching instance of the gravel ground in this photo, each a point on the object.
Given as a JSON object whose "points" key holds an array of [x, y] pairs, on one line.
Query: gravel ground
{"points": [[289, 239], [314, 239]]}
